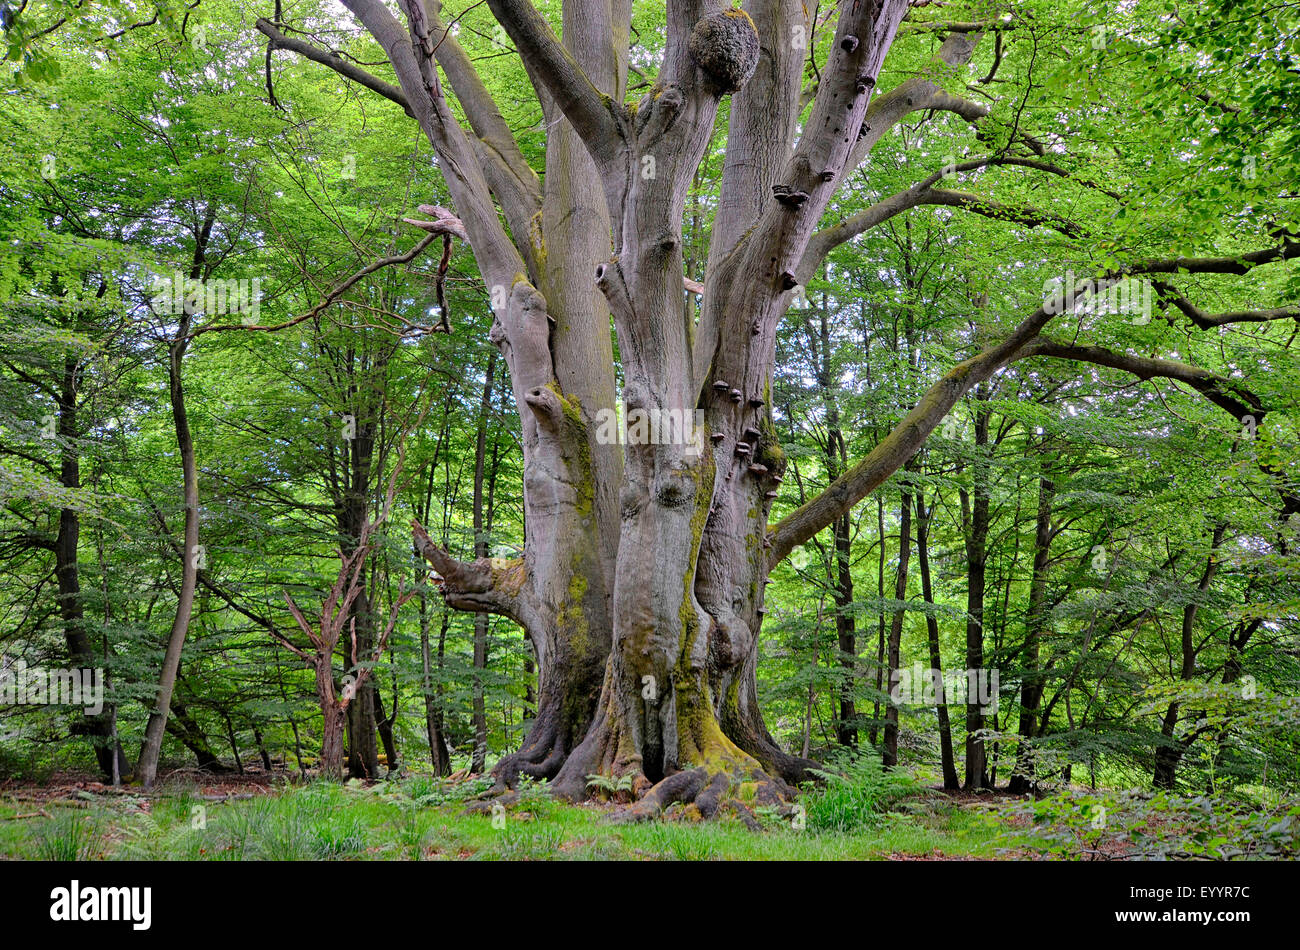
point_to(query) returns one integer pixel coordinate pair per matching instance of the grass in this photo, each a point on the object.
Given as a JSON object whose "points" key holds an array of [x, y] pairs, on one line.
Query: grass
{"points": [[422, 818]]}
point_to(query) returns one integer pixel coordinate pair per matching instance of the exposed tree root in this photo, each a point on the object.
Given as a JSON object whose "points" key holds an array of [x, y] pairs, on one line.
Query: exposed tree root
{"points": [[711, 794], [540, 757]]}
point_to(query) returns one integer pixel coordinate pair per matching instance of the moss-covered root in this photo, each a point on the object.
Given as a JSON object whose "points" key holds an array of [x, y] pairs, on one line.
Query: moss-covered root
{"points": [[711, 794]]}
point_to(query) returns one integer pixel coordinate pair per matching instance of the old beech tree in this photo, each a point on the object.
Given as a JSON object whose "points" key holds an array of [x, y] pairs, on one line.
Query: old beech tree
{"points": [[641, 584]]}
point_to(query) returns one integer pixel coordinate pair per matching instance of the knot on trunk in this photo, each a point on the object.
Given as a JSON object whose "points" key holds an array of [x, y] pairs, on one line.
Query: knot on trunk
{"points": [[725, 46]]}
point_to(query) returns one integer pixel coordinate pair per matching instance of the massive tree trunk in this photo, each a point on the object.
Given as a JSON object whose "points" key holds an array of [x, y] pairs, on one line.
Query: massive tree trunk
{"points": [[641, 582], [644, 566]]}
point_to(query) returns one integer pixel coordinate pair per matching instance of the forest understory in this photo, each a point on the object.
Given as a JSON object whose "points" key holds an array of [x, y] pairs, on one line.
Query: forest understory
{"points": [[260, 816]]}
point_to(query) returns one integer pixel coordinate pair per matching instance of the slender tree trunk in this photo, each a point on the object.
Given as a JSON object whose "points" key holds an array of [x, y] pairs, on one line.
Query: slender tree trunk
{"points": [[840, 574], [950, 779], [431, 675], [1171, 750], [1031, 689], [976, 563], [439, 756], [334, 718], [233, 739], [181, 725], [880, 621], [846, 727], [479, 762], [262, 751], [384, 725], [530, 671], [81, 653], [362, 715], [889, 756], [147, 768]]}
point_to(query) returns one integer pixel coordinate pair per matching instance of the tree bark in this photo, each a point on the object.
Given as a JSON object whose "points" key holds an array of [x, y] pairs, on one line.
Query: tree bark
{"points": [[977, 529], [147, 767], [839, 572], [481, 531], [1170, 752], [439, 755], [181, 725], [81, 653], [1036, 623], [889, 755], [642, 577], [384, 726], [880, 621], [950, 779]]}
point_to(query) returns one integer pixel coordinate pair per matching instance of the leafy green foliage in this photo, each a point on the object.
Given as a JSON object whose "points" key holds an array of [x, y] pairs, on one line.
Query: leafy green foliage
{"points": [[856, 794]]}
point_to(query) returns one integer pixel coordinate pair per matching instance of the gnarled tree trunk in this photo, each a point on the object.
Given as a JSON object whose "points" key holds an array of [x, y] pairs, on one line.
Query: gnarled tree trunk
{"points": [[641, 582]]}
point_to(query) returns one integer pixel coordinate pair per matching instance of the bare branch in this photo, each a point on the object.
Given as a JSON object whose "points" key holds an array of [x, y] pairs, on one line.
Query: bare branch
{"points": [[279, 40], [342, 288], [485, 119]]}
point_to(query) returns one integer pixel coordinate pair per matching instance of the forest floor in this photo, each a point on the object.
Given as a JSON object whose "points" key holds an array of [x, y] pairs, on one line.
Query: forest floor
{"points": [[269, 817]]}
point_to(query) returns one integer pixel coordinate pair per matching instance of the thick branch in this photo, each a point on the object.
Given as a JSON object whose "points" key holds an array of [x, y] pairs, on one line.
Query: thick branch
{"points": [[591, 114], [903, 442], [1208, 321], [335, 62], [1241, 264], [908, 436], [497, 257], [485, 119], [481, 586], [1223, 392], [923, 193], [919, 93]]}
